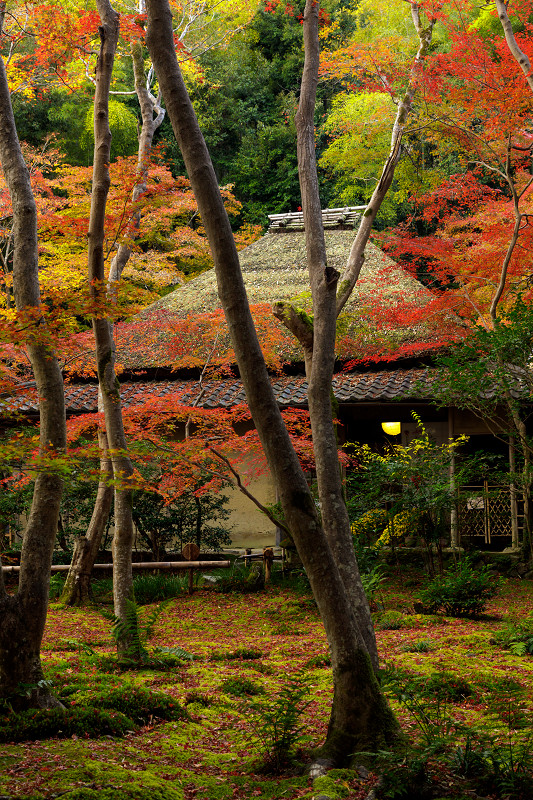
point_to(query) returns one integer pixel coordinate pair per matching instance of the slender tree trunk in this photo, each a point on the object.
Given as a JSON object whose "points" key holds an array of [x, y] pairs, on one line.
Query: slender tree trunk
{"points": [[77, 586], [76, 590], [23, 616], [361, 718], [105, 348], [148, 105], [323, 286]]}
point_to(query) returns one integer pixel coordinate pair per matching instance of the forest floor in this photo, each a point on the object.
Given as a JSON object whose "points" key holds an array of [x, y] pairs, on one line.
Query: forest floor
{"points": [[460, 698]]}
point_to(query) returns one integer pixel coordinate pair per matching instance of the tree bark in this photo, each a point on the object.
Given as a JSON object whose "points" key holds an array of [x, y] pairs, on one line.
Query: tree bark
{"points": [[105, 347], [77, 588], [323, 281], [148, 105], [23, 615], [360, 718]]}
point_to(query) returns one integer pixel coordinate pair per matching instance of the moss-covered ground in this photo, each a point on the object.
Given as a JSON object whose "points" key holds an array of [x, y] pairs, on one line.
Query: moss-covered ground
{"points": [[215, 753]]}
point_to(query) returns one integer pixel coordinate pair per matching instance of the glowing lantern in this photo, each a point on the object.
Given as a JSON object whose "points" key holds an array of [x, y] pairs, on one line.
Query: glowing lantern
{"points": [[392, 428]]}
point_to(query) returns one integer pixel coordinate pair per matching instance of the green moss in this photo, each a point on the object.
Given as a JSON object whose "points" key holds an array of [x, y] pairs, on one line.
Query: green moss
{"points": [[335, 788], [125, 793]]}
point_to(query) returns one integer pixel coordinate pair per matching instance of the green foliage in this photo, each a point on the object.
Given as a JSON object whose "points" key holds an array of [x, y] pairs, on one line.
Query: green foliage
{"points": [[239, 654], [276, 721], [463, 590], [391, 621], [155, 588], [241, 686], [448, 687], [133, 634], [57, 582], [190, 517], [123, 125], [44, 724], [516, 637], [409, 485], [419, 646], [242, 580], [124, 793], [135, 702]]}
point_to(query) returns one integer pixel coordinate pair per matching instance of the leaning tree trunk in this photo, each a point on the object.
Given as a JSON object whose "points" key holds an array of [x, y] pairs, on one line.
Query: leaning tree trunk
{"points": [[77, 588], [360, 718], [23, 615], [105, 348]]}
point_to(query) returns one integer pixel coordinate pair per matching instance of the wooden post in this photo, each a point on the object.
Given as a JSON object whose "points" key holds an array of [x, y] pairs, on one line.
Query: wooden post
{"points": [[268, 558], [454, 522], [190, 552], [515, 544]]}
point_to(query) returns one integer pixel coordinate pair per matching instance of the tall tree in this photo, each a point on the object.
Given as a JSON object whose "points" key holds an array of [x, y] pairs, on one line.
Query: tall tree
{"points": [[23, 615], [103, 334], [360, 717]]}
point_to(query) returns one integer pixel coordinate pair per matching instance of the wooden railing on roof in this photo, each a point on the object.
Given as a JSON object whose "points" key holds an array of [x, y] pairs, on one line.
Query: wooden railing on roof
{"points": [[347, 217]]}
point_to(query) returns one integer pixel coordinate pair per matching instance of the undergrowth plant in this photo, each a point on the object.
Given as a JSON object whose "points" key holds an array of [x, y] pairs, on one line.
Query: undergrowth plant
{"points": [[276, 721], [516, 637], [464, 590], [136, 632]]}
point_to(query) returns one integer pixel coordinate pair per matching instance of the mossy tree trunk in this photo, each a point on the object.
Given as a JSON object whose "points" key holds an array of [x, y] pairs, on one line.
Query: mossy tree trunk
{"points": [[23, 616], [360, 718]]}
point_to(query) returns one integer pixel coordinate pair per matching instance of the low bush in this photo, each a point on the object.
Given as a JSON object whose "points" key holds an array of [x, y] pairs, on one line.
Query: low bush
{"points": [[462, 591], [391, 621], [241, 653], [154, 588], [448, 687], [241, 686], [137, 703], [47, 723], [124, 793], [419, 646]]}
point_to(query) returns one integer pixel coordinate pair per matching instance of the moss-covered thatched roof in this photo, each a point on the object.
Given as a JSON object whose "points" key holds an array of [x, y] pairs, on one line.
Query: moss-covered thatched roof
{"points": [[274, 268]]}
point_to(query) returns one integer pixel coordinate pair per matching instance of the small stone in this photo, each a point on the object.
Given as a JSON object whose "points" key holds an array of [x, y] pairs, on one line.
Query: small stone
{"points": [[362, 772]]}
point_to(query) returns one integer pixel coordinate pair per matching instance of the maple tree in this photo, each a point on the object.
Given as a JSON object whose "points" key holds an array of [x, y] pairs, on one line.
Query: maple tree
{"points": [[24, 616]]}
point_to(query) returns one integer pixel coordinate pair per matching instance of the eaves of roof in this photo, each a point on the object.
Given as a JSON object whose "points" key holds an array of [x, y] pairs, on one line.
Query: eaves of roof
{"points": [[353, 387]]}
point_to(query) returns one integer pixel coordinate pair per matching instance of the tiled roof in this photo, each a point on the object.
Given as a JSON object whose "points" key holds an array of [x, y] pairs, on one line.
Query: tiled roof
{"points": [[353, 387]]}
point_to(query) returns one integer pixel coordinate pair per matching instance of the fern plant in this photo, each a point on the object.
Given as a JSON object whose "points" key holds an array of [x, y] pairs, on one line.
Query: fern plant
{"points": [[133, 633]]}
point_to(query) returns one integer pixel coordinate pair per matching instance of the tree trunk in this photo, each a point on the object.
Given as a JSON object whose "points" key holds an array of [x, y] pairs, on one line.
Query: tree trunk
{"points": [[148, 105], [323, 281], [76, 590], [105, 348], [361, 718], [23, 615]]}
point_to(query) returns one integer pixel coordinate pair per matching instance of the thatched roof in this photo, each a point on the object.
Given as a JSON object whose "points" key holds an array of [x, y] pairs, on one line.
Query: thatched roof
{"points": [[274, 268]]}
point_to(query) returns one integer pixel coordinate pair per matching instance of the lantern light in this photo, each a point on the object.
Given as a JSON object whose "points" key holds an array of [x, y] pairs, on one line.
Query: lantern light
{"points": [[392, 428]]}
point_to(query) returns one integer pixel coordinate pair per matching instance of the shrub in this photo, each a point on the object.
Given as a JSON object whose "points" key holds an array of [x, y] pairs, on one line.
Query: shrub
{"points": [[448, 687], [419, 646], [369, 526], [401, 525], [124, 793], [391, 621], [241, 653], [243, 580], [241, 686], [462, 591], [135, 702], [47, 723], [154, 588]]}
